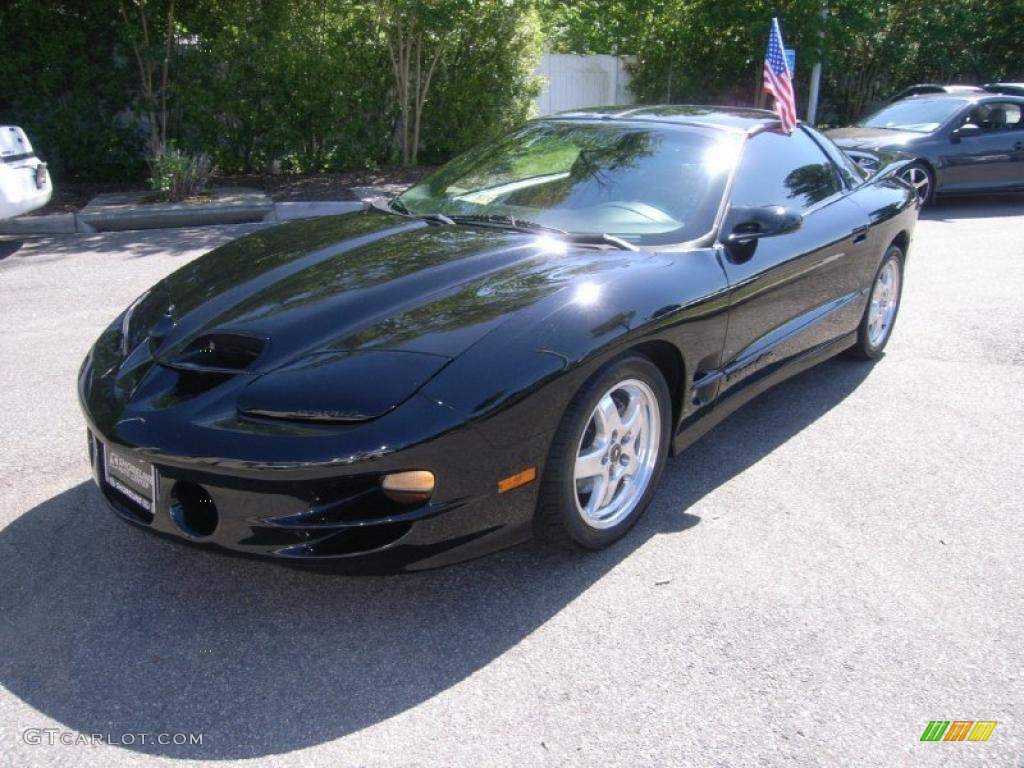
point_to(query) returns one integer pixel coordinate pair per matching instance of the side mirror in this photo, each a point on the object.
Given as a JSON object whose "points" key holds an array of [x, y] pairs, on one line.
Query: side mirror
{"points": [[744, 225], [965, 131]]}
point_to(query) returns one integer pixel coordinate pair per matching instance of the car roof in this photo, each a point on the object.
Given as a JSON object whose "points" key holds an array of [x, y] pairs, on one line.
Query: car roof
{"points": [[732, 119], [1005, 89], [925, 88], [964, 98]]}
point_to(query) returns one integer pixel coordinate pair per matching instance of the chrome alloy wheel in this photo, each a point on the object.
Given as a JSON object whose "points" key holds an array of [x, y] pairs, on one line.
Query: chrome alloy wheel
{"points": [[885, 298], [617, 454], [917, 177]]}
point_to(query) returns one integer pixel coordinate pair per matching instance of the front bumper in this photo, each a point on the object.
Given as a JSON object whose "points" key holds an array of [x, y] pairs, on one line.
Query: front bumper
{"points": [[301, 493], [338, 521]]}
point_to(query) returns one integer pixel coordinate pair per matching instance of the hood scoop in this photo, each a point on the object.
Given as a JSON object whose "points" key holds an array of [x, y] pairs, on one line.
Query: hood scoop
{"points": [[223, 352], [339, 387]]}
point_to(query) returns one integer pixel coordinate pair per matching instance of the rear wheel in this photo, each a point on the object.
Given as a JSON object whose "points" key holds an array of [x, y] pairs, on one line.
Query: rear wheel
{"points": [[884, 304], [920, 178], [607, 456]]}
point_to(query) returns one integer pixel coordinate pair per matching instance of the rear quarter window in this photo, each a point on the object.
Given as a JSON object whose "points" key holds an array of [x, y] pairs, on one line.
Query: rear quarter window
{"points": [[790, 171]]}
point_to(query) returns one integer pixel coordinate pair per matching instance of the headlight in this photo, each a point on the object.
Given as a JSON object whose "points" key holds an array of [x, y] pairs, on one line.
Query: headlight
{"points": [[867, 162], [127, 343], [340, 387]]}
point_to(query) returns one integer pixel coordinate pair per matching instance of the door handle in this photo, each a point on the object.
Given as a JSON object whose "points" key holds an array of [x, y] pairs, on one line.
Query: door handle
{"points": [[1019, 145], [860, 234]]}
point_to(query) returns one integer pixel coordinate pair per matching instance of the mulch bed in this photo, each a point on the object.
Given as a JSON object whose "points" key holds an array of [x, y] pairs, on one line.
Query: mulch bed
{"points": [[70, 196], [73, 196], [323, 186]]}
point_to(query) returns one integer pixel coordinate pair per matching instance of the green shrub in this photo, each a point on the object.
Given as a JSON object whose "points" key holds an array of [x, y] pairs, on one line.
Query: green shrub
{"points": [[178, 175], [485, 84], [712, 51], [298, 86], [66, 82]]}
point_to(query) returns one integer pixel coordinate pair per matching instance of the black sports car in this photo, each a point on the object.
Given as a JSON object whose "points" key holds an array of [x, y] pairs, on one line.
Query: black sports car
{"points": [[966, 142], [513, 345]]}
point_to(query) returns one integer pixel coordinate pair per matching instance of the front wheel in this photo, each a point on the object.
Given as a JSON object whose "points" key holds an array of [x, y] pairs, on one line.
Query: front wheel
{"points": [[920, 178], [607, 456], [884, 304]]}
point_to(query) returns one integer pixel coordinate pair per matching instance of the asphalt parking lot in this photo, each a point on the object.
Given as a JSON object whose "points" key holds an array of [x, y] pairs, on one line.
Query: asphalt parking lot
{"points": [[835, 566]]}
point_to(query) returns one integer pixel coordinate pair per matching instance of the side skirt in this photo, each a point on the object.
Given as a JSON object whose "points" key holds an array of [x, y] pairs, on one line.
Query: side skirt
{"points": [[688, 434]]}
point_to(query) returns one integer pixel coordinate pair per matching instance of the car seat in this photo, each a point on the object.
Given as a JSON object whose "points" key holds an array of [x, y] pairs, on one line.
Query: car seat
{"points": [[995, 120]]}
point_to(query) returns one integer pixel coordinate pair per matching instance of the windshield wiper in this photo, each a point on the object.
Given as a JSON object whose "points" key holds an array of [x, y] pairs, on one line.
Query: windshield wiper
{"points": [[522, 225], [597, 238], [509, 222], [440, 218], [397, 206]]}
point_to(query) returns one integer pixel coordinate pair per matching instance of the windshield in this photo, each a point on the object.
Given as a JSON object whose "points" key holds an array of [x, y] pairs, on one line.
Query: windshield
{"points": [[642, 183], [918, 116]]}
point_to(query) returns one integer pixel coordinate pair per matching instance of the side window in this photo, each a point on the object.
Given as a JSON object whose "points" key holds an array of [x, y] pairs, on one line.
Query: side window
{"points": [[783, 170], [995, 116], [852, 173]]}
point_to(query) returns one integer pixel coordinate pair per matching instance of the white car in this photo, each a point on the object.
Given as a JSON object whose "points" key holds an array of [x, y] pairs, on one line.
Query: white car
{"points": [[24, 181]]}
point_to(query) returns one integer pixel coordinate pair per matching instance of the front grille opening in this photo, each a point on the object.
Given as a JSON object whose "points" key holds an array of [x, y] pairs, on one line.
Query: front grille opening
{"points": [[192, 510], [367, 507], [192, 383], [350, 500], [126, 506], [276, 537], [221, 352], [351, 541]]}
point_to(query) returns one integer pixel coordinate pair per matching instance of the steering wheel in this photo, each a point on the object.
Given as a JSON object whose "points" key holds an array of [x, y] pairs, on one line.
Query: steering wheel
{"points": [[644, 210], [664, 198]]}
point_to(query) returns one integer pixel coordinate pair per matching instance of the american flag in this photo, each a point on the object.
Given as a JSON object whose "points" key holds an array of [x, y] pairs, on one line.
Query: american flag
{"points": [[778, 80]]}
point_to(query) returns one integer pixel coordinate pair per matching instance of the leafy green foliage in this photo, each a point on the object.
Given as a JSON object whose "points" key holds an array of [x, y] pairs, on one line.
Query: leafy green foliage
{"points": [[68, 83], [711, 51], [297, 86], [883, 47], [308, 85], [303, 85], [485, 83], [178, 175]]}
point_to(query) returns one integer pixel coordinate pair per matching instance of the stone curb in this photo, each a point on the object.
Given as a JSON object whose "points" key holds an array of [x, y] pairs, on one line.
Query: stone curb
{"points": [[127, 217]]}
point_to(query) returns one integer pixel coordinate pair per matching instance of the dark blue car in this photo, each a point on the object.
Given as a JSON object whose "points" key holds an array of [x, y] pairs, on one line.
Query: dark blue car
{"points": [[962, 143]]}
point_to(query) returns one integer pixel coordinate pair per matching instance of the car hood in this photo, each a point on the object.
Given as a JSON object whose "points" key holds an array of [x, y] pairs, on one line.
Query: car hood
{"points": [[872, 138], [340, 319], [352, 283]]}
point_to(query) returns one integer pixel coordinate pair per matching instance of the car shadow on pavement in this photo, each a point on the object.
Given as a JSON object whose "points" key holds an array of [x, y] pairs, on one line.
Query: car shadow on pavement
{"points": [[949, 209], [106, 629], [9, 247]]}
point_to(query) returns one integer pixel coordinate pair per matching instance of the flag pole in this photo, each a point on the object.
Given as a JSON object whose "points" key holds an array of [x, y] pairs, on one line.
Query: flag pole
{"points": [[812, 101]]}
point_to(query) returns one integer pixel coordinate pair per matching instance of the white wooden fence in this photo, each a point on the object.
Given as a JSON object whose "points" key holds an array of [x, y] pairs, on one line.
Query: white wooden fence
{"points": [[574, 82]]}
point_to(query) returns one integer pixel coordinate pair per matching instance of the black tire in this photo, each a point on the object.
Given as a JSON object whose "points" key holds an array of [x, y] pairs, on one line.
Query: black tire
{"points": [[920, 176], [559, 519], [866, 348]]}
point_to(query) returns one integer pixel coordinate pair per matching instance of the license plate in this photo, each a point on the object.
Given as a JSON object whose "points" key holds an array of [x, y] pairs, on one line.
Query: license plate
{"points": [[40, 175], [133, 477]]}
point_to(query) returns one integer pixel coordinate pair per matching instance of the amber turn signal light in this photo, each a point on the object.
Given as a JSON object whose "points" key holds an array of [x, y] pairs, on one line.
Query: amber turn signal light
{"points": [[519, 478], [408, 487]]}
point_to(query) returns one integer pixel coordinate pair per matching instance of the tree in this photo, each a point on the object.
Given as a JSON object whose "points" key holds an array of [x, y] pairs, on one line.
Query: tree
{"points": [[417, 33], [153, 58], [65, 83]]}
